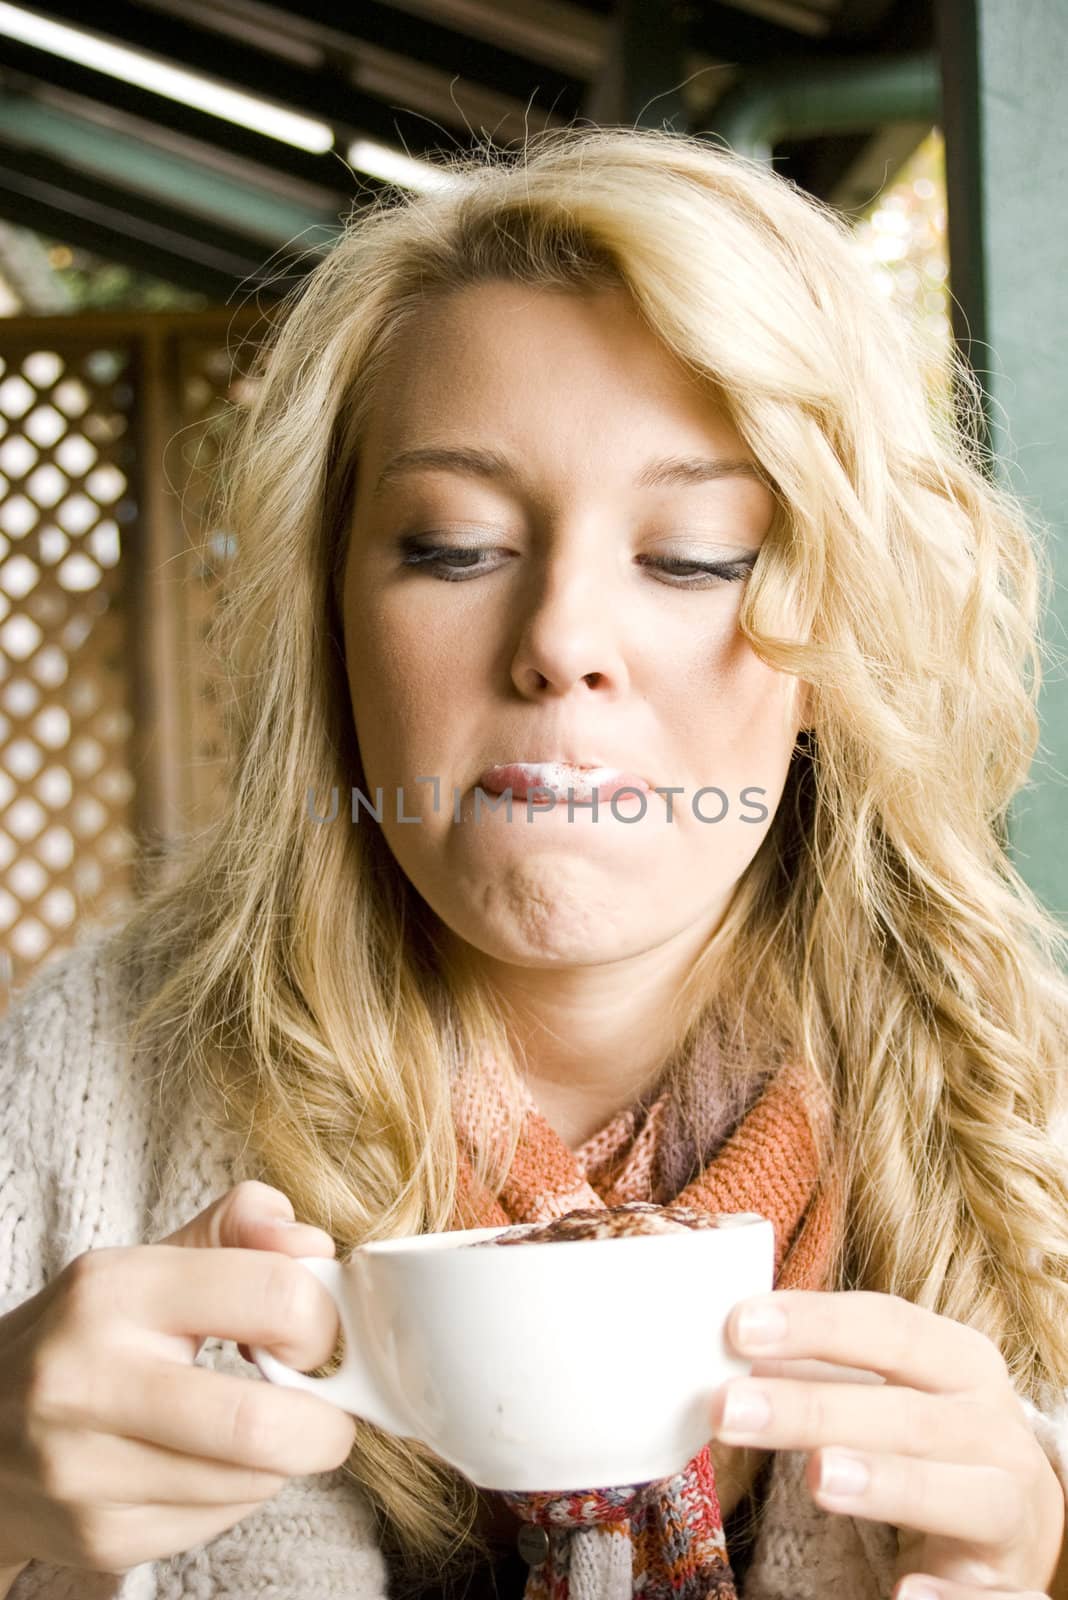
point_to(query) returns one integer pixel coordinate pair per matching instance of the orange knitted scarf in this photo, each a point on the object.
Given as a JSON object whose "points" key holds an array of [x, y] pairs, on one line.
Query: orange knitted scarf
{"points": [[662, 1540]]}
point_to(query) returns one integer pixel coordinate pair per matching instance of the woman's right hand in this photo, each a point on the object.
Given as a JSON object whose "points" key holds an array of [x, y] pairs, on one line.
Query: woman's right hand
{"points": [[114, 1448]]}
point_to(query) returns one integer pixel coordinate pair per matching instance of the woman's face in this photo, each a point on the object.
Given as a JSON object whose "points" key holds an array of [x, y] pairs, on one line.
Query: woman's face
{"points": [[571, 621]]}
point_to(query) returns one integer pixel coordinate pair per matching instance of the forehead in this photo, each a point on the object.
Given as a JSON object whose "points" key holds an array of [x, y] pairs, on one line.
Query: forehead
{"points": [[526, 358]]}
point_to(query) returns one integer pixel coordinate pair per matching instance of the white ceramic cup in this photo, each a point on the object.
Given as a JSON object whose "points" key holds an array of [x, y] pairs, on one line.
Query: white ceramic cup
{"points": [[558, 1365]]}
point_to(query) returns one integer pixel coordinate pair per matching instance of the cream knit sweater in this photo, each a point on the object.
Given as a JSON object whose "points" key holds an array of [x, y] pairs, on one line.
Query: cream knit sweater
{"points": [[89, 1157]]}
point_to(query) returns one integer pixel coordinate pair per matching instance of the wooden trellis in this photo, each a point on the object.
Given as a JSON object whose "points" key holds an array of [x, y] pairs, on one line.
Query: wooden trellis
{"points": [[112, 731]]}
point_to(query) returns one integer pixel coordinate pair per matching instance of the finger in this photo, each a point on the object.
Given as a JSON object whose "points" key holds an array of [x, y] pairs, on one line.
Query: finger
{"points": [[203, 1413], [121, 1537], [104, 1469], [806, 1416], [222, 1220], [294, 1238], [981, 1506], [906, 1343], [816, 1371], [918, 1586], [254, 1296], [16, 1321], [291, 1238]]}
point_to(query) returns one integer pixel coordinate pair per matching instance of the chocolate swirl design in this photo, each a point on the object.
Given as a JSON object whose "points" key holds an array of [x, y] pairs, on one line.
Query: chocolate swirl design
{"points": [[613, 1222]]}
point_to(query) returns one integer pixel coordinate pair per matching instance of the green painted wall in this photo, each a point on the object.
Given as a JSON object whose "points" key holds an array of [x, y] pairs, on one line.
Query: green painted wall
{"points": [[1022, 192]]}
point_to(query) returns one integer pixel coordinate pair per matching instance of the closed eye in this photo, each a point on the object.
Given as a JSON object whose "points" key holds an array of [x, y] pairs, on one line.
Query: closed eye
{"points": [[715, 571], [457, 563]]}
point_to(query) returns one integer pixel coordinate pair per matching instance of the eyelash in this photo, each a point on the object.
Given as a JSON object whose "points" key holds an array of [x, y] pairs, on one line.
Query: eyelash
{"points": [[710, 574]]}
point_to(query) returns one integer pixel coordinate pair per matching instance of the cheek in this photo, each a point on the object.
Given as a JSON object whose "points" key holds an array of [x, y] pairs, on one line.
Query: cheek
{"points": [[393, 631], [734, 710], [408, 676], [773, 701]]}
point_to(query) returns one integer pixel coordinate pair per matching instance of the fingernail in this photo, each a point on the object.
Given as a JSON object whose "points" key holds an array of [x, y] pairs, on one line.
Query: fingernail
{"points": [[745, 1410], [760, 1324], [283, 1222], [919, 1589], [840, 1474]]}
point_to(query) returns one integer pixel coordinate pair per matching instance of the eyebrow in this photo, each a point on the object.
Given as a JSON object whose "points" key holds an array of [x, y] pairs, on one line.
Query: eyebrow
{"points": [[668, 472]]}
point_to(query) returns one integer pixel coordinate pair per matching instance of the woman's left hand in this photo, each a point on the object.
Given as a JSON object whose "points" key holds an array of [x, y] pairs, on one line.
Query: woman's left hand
{"points": [[947, 1452]]}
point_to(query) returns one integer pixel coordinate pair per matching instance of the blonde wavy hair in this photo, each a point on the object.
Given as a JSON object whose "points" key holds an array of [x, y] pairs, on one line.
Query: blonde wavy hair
{"points": [[881, 928]]}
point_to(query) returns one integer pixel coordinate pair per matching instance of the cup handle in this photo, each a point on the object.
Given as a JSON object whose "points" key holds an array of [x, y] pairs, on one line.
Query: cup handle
{"points": [[354, 1387]]}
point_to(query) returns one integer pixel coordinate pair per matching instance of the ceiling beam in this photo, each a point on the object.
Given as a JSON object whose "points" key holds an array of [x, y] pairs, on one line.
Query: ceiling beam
{"points": [[447, 97], [387, 76], [344, 30], [190, 190], [205, 157], [320, 93], [551, 32], [22, 67], [746, 40], [66, 204], [640, 82], [327, 93]]}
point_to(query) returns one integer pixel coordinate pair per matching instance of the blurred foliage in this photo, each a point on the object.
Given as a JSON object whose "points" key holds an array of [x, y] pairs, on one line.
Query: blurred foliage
{"points": [[93, 284], [902, 235]]}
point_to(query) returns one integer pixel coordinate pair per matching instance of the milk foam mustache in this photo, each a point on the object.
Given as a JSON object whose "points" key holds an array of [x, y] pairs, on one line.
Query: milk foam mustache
{"points": [[561, 779]]}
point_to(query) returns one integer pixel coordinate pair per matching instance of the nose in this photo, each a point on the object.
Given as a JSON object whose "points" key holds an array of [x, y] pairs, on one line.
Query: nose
{"points": [[569, 637]]}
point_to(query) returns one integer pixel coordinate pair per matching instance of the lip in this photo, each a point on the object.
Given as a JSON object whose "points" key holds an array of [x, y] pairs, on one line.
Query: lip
{"points": [[522, 776]]}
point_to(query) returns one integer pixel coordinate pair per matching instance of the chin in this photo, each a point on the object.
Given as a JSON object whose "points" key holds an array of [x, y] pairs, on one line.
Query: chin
{"points": [[543, 934]]}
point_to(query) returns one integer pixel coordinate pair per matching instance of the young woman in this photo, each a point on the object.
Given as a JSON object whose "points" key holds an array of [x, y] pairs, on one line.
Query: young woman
{"points": [[605, 470]]}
